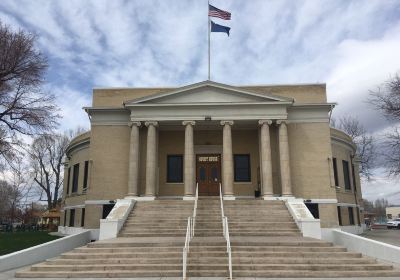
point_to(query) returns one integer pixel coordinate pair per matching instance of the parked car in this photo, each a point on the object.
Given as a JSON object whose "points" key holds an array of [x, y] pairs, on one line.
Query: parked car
{"points": [[393, 224]]}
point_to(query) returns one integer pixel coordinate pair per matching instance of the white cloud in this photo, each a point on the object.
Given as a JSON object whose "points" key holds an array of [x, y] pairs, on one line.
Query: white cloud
{"points": [[70, 103], [351, 45]]}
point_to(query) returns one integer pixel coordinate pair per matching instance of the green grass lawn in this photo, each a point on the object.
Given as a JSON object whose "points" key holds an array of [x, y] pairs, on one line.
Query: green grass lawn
{"points": [[11, 242]]}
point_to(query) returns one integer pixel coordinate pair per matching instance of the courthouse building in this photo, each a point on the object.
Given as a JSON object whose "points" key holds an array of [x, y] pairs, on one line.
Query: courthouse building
{"points": [[264, 142]]}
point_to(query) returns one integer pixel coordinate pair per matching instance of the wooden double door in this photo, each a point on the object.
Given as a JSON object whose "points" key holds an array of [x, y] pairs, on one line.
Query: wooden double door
{"points": [[208, 173]]}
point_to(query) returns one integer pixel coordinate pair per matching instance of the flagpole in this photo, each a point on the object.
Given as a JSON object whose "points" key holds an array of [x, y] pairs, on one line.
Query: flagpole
{"points": [[209, 45]]}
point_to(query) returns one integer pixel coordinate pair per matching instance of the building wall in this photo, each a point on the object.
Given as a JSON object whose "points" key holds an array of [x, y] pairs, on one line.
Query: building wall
{"points": [[309, 145], [393, 212], [109, 153], [170, 143], [343, 149]]}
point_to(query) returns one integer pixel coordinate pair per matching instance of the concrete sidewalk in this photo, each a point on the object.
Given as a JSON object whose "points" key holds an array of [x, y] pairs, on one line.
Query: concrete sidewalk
{"points": [[390, 236]]}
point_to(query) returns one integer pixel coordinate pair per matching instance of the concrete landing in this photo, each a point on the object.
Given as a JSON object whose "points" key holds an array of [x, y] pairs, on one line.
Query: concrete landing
{"points": [[9, 275]]}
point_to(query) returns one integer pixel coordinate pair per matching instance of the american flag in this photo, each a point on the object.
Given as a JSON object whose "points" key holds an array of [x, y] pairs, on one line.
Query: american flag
{"points": [[215, 12]]}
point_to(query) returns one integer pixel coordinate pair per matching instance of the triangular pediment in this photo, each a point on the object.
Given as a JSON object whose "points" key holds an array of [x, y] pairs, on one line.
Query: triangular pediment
{"points": [[206, 92]]}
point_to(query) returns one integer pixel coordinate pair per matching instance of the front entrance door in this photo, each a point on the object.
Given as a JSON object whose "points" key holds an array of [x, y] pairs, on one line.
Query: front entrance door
{"points": [[208, 174]]}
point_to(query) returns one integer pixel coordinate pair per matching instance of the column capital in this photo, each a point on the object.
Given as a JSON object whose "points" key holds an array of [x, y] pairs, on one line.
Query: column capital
{"points": [[279, 122], [262, 122], [227, 123], [134, 123], [192, 123], [153, 123]]}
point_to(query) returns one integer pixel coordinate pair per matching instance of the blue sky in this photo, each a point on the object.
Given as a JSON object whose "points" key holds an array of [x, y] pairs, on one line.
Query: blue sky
{"points": [[353, 46]]}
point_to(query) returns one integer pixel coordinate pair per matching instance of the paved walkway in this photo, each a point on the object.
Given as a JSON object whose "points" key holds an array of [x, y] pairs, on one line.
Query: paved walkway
{"points": [[390, 236]]}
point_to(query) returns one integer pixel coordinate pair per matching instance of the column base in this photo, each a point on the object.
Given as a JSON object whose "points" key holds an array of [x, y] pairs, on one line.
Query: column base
{"points": [[145, 198], [287, 198], [131, 196], [270, 197], [229, 197], [188, 197]]}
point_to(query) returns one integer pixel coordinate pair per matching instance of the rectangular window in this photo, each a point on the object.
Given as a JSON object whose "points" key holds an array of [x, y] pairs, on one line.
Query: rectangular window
{"points": [[314, 209], [68, 179], [346, 175], [174, 168], [71, 217], [354, 177], [75, 178], [65, 217], [85, 175], [335, 173], [242, 168], [106, 210], [83, 217], [339, 214], [351, 215]]}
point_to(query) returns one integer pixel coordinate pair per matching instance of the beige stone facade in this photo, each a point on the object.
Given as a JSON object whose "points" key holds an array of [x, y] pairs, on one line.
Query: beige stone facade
{"points": [[274, 141]]}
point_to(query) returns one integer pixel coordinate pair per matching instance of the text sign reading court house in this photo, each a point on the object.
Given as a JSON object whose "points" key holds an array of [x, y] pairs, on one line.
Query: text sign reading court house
{"points": [[160, 142]]}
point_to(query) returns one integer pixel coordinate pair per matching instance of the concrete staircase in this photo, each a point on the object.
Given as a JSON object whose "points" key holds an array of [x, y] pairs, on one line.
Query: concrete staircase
{"points": [[266, 242], [208, 256], [149, 245], [264, 238]]}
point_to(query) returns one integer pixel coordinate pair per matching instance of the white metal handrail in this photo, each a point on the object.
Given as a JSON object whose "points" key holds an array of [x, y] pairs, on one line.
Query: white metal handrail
{"points": [[225, 231], [189, 233]]}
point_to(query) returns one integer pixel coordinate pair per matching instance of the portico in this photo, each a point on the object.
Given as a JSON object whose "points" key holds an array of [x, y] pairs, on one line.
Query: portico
{"points": [[216, 110]]}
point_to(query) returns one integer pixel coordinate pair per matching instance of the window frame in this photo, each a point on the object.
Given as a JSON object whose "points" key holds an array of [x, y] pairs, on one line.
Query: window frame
{"points": [[339, 211], [346, 171], [247, 179], [71, 222], [68, 179], [351, 216], [335, 172], [85, 174], [75, 179], [83, 217], [354, 177], [180, 175]]}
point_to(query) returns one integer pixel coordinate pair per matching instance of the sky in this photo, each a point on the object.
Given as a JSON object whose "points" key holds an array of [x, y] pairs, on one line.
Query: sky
{"points": [[352, 46]]}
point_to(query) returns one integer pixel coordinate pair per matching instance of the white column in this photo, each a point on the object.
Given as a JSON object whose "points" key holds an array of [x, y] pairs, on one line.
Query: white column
{"points": [[134, 150], [284, 159], [151, 159], [266, 163], [227, 159], [189, 159]]}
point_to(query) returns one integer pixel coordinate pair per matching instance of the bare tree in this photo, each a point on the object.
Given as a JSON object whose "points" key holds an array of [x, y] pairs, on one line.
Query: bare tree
{"points": [[380, 208], [392, 152], [387, 100], [24, 108], [366, 150], [46, 156]]}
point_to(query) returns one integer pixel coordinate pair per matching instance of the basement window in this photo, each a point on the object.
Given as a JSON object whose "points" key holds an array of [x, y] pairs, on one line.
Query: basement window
{"points": [[351, 216]]}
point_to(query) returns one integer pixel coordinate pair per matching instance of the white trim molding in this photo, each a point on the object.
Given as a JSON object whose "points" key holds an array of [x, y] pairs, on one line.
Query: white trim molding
{"points": [[73, 207], [308, 225], [99, 202], [343, 204], [321, 200], [110, 226]]}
